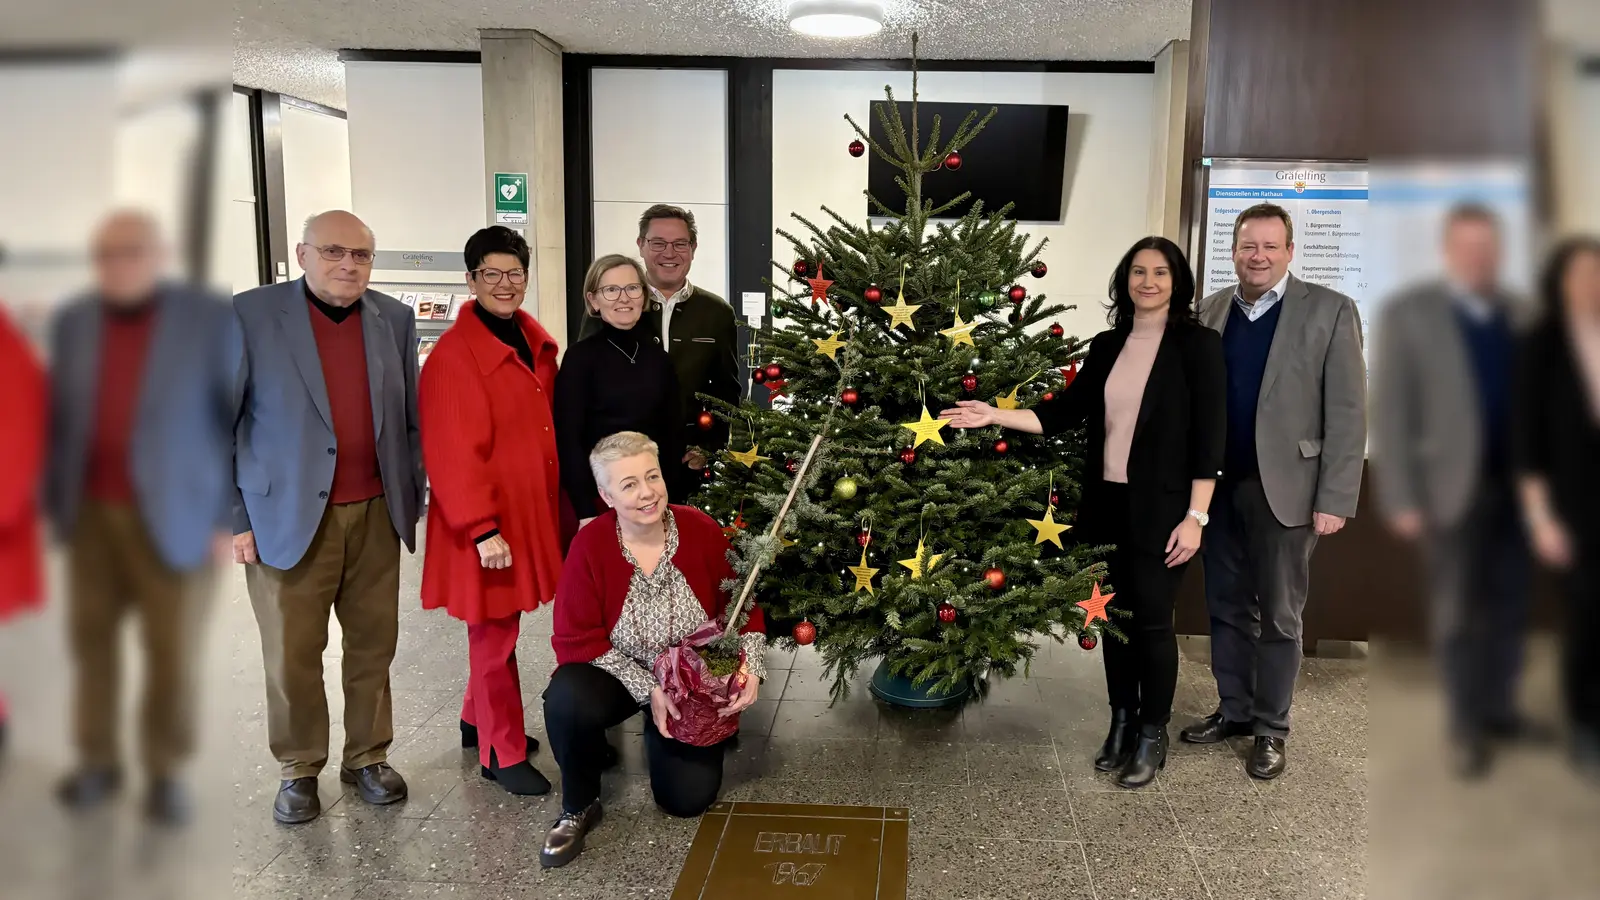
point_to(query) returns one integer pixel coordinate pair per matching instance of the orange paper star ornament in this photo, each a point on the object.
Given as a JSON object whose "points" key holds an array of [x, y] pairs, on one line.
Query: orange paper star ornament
{"points": [[1095, 607]]}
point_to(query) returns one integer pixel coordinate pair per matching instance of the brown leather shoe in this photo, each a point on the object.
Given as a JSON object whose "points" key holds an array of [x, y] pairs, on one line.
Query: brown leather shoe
{"points": [[168, 803], [297, 801], [88, 788], [565, 840], [378, 784]]}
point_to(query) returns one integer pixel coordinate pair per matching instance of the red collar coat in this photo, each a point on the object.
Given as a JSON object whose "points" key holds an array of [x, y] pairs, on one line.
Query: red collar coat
{"points": [[488, 444], [23, 415]]}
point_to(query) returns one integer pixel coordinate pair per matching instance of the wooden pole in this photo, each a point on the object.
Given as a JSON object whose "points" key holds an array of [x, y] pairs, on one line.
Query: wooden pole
{"points": [[777, 527]]}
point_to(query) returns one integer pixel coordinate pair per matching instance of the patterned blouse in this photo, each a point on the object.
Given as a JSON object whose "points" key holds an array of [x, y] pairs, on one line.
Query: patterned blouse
{"points": [[660, 611]]}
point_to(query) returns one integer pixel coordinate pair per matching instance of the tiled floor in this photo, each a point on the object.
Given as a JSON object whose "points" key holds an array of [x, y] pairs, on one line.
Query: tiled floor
{"points": [[1004, 800]]}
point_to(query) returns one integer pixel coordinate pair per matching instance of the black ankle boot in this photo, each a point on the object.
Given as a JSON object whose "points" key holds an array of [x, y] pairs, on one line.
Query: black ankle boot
{"points": [[1149, 757], [519, 778], [1119, 743]]}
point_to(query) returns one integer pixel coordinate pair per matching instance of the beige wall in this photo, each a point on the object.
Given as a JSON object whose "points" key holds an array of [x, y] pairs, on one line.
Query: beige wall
{"points": [[1573, 117], [1166, 139]]}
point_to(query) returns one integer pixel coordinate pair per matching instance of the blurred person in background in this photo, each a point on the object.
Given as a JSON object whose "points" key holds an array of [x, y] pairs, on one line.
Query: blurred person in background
{"points": [[1441, 454], [24, 418], [1556, 448], [493, 548], [138, 488], [616, 379], [1296, 442], [328, 465], [695, 327]]}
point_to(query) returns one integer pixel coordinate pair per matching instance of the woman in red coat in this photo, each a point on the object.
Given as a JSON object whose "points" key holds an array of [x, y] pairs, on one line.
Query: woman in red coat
{"points": [[23, 422], [638, 579], [493, 547]]}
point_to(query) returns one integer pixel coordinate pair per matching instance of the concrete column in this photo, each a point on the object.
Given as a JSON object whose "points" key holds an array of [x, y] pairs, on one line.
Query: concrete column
{"points": [[1166, 140], [522, 133]]}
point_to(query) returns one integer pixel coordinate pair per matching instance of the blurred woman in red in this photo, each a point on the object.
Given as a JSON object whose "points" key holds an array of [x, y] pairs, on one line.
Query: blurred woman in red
{"points": [[488, 443], [23, 425]]}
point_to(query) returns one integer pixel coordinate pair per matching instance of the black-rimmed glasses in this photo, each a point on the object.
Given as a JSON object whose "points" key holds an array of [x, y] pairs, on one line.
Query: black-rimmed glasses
{"points": [[493, 276], [335, 253]]}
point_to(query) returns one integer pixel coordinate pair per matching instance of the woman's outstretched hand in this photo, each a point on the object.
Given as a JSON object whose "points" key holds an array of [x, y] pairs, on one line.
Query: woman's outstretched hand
{"points": [[970, 414]]}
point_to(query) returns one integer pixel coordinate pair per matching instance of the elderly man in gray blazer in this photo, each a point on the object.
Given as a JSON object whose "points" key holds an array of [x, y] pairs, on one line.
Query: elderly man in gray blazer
{"points": [[1297, 435], [138, 487], [329, 473], [1441, 454]]}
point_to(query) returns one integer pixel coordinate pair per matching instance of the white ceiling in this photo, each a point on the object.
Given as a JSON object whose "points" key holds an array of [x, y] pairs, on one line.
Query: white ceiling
{"points": [[291, 45]]}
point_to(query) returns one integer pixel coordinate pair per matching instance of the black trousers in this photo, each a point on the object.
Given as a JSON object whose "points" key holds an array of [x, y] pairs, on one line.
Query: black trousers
{"points": [[1258, 572], [1142, 674], [1581, 645], [1480, 608], [580, 703]]}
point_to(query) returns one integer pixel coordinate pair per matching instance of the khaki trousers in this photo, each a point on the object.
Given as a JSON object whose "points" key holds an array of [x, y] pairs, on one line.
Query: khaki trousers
{"points": [[115, 569], [353, 569]]}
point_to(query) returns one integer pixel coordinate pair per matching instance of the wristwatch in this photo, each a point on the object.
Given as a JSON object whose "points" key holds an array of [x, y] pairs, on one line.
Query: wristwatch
{"points": [[1200, 517]]}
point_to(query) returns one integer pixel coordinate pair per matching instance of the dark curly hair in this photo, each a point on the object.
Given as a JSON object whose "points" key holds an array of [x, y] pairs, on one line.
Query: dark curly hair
{"points": [[1555, 272], [1119, 312], [495, 239]]}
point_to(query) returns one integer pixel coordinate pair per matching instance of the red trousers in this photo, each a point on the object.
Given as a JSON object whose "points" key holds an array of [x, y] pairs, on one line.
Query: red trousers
{"points": [[494, 692]]}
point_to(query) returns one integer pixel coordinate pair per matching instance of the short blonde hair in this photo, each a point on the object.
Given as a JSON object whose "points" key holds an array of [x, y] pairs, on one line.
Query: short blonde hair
{"points": [[617, 446], [598, 268]]}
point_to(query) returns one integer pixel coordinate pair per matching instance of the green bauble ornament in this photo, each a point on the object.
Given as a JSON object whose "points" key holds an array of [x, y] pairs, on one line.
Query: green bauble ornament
{"points": [[845, 488], [988, 299]]}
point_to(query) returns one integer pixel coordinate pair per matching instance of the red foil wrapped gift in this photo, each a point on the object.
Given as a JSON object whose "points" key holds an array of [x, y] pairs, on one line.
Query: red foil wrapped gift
{"points": [[698, 694]]}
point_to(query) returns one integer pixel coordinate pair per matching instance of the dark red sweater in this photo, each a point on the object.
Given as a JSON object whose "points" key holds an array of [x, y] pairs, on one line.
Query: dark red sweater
{"points": [[343, 352], [595, 579], [124, 347]]}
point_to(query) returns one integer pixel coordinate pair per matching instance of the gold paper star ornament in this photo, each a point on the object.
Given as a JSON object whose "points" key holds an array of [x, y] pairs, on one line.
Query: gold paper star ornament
{"points": [[829, 347], [1048, 529], [926, 429], [901, 312], [961, 332], [915, 562], [863, 573], [749, 457]]}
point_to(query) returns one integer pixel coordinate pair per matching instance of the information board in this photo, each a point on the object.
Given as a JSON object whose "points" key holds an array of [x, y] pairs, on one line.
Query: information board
{"points": [[1327, 201]]}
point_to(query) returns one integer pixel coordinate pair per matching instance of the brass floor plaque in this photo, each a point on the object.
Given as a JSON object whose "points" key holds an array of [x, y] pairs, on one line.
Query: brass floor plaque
{"points": [[750, 851]]}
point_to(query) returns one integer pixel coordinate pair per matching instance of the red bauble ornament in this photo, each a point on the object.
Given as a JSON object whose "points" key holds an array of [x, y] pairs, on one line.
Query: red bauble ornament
{"points": [[706, 420], [850, 397], [864, 537], [857, 149], [953, 161], [1039, 269], [995, 577], [873, 294], [1056, 330], [1069, 373], [791, 466], [805, 633], [705, 474], [1088, 641], [1049, 395], [774, 370], [1001, 447], [969, 382], [801, 268], [908, 455], [759, 376], [1017, 293], [1055, 499], [947, 613]]}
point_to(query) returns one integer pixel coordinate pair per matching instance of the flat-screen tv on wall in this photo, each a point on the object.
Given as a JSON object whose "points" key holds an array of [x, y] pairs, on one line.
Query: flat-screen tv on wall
{"points": [[1019, 158]]}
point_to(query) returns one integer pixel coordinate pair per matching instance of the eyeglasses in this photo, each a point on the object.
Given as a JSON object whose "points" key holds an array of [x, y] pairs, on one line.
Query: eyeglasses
{"points": [[611, 293], [335, 253], [493, 276], [657, 245]]}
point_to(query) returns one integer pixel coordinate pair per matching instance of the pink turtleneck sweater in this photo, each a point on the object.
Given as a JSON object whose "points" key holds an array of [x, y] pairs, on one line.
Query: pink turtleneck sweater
{"points": [[1125, 391]]}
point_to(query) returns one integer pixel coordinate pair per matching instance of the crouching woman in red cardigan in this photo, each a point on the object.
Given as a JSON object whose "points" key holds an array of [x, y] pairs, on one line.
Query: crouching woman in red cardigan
{"points": [[638, 579]]}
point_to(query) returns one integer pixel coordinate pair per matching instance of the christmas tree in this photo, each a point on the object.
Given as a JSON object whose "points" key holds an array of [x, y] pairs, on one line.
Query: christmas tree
{"points": [[945, 554]]}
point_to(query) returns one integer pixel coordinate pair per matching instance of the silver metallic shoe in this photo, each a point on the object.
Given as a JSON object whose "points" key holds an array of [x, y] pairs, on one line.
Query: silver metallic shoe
{"points": [[565, 840]]}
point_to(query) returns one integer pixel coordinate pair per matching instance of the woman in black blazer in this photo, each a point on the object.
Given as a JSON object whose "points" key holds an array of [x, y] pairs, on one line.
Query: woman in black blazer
{"points": [[1152, 395], [1556, 445]]}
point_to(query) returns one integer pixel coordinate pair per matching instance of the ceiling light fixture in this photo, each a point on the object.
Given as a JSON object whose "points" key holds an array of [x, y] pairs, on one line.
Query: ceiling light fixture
{"points": [[836, 18]]}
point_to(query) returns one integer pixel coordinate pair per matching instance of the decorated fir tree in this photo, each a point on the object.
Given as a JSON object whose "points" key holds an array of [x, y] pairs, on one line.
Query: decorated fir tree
{"points": [[944, 554]]}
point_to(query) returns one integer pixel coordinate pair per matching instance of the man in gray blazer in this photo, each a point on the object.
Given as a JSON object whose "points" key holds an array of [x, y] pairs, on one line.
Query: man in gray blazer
{"points": [[1441, 456], [1297, 435], [329, 474], [138, 488]]}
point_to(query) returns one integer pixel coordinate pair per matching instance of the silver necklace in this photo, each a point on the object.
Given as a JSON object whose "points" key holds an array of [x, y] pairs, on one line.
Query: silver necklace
{"points": [[633, 358]]}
